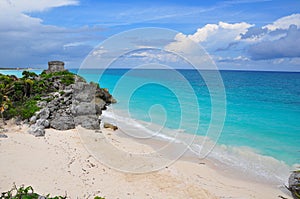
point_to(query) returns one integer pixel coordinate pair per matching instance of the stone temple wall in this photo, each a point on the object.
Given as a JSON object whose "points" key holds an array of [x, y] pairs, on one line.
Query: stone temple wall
{"points": [[55, 66]]}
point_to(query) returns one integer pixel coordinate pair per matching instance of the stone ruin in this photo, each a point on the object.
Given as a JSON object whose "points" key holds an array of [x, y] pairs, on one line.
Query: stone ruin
{"points": [[55, 66]]}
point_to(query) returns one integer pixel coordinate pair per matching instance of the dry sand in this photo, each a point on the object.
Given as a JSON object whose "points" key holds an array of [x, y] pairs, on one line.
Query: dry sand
{"points": [[59, 164]]}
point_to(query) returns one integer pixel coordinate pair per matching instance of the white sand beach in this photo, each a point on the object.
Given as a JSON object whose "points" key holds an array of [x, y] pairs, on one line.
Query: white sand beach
{"points": [[59, 164]]}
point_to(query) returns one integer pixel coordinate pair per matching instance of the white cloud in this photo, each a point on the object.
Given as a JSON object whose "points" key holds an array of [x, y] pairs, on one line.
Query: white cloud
{"points": [[223, 30], [285, 46], [34, 5], [284, 22], [99, 52], [221, 36], [181, 44], [273, 31], [203, 33], [278, 61], [238, 59], [72, 44], [242, 43], [155, 56], [241, 58], [13, 12], [26, 40], [212, 37], [191, 51]]}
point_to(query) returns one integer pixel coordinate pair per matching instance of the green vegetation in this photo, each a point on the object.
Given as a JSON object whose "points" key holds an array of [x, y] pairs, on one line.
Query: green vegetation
{"points": [[19, 96], [67, 78], [28, 193]]}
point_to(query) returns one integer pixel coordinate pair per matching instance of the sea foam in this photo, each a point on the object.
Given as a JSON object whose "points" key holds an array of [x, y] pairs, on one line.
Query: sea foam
{"points": [[231, 159]]}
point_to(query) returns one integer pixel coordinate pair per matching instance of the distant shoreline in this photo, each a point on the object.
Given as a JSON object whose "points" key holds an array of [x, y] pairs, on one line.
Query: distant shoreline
{"points": [[20, 68], [180, 69]]}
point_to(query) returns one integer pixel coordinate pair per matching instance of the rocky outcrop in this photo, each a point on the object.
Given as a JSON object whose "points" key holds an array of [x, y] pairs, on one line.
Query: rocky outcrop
{"points": [[77, 104], [294, 184], [88, 121], [62, 122]]}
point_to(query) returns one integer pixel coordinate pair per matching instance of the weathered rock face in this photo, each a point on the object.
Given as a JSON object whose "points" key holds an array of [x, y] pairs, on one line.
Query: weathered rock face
{"points": [[88, 121], [84, 92], [86, 112], [43, 114], [63, 122], [78, 104], [37, 131], [55, 66], [43, 122], [84, 108], [294, 184]]}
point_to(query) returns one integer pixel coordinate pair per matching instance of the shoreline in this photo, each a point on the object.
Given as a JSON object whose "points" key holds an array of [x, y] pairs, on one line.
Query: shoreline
{"points": [[20, 69], [69, 167], [235, 161]]}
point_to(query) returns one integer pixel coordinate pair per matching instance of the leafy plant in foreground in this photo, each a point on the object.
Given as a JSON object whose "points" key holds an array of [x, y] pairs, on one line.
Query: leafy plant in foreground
{"points": [[25, 193], [28, 193]]}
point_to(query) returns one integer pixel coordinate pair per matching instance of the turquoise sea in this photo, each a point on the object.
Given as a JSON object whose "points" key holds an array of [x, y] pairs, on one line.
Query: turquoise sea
{"points": [[261, 132]]}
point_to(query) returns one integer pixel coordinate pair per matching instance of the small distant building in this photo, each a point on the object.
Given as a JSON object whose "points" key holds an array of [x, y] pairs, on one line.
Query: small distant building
{"points": [[55, 66]]}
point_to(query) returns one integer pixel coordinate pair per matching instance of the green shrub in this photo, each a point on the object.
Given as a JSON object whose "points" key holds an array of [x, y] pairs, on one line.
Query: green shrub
{"points": [[27, 74], [28, 109], [5, 79], [28, 193], [10, 113], [25, 193], [68, 79], [37, 97]]}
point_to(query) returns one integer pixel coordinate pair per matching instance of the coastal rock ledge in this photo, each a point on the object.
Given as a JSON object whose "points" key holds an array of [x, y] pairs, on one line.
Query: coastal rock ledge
{"points": [[294, 184], [79, 103]]}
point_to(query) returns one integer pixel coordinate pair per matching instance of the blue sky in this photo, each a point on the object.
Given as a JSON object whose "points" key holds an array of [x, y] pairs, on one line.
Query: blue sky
{"points": [[238, 34]]}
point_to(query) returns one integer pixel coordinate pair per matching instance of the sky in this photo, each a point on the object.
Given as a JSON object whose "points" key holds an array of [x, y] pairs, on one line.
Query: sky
{"points": [[237, 34]]}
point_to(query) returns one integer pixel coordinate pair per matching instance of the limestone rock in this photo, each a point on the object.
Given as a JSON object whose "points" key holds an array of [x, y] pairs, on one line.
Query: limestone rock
{"points": [[75, 104], [42, 104], [100, 104], [68, 92], [43, 122], [84, 108], [105, 95], [44, 113], [111, 126], [63, 122], [32, 120], [36, 130], [3, 135], [88, 121], [294, 183], [84, 92]]}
